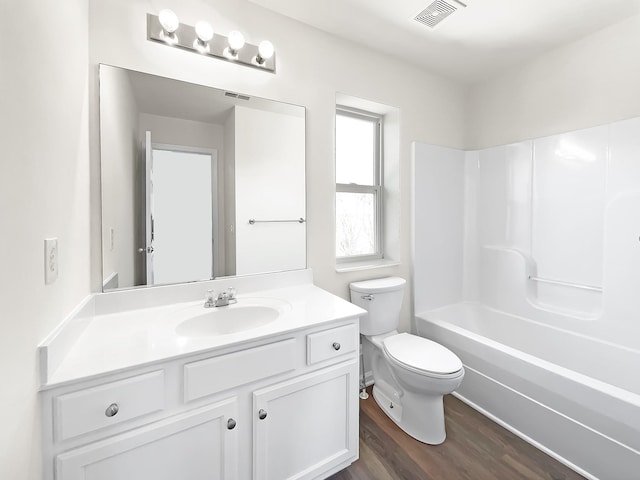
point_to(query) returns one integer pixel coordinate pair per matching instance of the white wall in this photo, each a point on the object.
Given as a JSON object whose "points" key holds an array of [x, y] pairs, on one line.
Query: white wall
{"points": [[269, 185], [229, 179], [178, 131], [119, 156], [44, 192], [312, 67], [589, 82]]}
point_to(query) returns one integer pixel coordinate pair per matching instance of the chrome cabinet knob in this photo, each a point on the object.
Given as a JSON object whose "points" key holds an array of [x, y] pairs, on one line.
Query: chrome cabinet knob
{"points": [[231, 424], [262, 414], [112, 410], [336, 346]]}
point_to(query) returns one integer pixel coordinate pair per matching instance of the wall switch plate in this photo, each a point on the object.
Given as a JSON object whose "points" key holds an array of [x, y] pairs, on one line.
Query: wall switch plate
{"points": [[50, 260], [112, 239]]}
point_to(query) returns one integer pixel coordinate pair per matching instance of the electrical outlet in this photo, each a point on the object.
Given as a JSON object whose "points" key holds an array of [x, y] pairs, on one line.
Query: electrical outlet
{"points": [[50, 260]]}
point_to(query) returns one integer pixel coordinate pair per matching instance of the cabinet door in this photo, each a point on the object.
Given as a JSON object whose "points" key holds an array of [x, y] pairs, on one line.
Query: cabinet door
{"points": [[197, 445], [306, 426]]}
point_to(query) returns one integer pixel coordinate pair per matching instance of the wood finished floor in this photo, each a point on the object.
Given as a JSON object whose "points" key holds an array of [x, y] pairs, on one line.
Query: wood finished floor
{"points": [[475, 449]]}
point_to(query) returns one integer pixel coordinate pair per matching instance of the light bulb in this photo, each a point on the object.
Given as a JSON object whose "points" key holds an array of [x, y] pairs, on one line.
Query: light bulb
{"points": [[169, 21], [236, 41], [204, 31], [265, 51]]}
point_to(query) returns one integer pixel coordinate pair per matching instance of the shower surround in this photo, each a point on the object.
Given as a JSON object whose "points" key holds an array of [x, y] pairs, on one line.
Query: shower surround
{"points": [[527, 265]]}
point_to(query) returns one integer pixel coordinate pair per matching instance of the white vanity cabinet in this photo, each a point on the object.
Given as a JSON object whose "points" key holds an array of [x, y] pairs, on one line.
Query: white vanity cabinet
{"points": [[306, 426], [195, 445], [283, 407]]}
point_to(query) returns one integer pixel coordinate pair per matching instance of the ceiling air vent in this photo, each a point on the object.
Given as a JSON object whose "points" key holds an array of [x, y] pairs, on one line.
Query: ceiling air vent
{"points": [[237, 95], [435, 13]]}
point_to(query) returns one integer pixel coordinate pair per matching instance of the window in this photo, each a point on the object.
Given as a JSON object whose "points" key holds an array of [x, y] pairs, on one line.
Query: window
{"points": [[358, 186]]}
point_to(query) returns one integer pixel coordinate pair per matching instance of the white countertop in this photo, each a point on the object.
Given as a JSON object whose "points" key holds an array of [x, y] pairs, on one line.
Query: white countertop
{"points": [[114, 342]]}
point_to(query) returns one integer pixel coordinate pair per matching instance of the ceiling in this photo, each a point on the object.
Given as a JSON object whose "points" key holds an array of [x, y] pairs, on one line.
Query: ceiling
{"points": [[471, 44], [173, 98]]}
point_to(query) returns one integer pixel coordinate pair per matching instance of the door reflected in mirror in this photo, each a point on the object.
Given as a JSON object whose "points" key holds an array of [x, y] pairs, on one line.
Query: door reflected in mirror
{"points": [[184, 168], [181, 208]]}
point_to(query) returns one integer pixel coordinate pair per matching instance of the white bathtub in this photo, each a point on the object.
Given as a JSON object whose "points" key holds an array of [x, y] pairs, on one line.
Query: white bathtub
{"points": [[575, 397]]}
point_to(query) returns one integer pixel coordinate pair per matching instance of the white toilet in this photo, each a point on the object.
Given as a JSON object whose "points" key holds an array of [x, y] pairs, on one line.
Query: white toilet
{"points": [[410, 373]]}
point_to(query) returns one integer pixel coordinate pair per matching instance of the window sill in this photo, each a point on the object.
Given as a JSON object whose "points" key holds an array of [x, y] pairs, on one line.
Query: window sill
{"points": [[366, 265]]}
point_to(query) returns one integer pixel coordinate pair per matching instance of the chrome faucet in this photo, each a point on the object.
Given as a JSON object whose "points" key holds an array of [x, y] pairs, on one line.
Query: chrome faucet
{"points": [[224, 298]]}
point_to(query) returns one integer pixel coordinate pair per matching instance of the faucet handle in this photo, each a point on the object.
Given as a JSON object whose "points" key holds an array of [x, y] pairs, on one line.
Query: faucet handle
{"points": [[209, 295], [231, 291]]}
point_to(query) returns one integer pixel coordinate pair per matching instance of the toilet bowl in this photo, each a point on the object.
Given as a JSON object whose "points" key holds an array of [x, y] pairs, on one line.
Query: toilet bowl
{"points": [[411, 373]]}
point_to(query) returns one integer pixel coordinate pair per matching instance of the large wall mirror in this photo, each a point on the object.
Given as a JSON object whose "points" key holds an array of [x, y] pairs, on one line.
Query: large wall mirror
{"points": [[197, 183]]}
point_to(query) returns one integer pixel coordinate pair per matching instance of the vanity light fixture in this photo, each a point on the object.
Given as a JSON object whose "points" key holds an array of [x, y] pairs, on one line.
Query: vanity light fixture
{"points": [[204, 32], [165, 28], [236, 42], [169, 23], [265, 52]]}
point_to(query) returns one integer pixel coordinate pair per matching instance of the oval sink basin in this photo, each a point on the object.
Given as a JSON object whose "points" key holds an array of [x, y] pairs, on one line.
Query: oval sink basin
{"points": [[244, 315]]}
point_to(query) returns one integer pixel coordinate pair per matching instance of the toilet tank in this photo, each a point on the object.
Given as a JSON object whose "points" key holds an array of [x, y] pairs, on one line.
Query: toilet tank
{"points": [[382, 299]]}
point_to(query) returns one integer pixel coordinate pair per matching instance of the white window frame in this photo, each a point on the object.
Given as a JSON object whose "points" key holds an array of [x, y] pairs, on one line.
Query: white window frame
{"points": [[377, 189]]}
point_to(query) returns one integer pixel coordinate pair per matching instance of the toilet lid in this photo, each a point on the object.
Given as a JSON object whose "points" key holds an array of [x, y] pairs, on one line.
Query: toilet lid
{"points": [[378, 285], [422, 354]]}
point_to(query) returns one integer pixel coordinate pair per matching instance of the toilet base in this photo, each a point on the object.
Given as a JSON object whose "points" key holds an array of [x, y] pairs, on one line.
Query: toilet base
{"points": [[389, 403], [418, 415]]}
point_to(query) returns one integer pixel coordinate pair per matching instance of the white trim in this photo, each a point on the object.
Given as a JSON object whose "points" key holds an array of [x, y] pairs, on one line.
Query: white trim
{"points": [[365, 265], [377, 189], [110, 282]]}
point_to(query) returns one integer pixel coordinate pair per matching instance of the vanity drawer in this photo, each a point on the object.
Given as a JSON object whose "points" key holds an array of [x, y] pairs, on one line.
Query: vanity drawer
{"points": [[332, 343], [109, 404], [217, 374]]}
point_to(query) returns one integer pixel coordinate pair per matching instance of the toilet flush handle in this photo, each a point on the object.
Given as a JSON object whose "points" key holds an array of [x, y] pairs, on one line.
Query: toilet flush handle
{"points": [[367, 297]]}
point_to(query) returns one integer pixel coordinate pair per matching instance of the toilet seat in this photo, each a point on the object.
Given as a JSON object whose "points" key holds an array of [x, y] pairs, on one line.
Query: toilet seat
{"points": [[422, 356]]}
